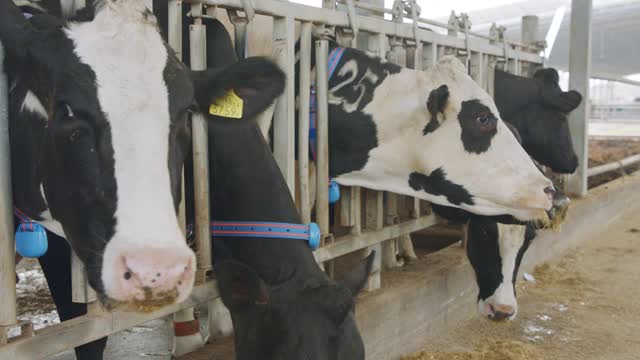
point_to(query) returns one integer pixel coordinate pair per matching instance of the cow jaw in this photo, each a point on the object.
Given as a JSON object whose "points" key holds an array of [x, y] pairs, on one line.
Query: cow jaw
{"points": [[146, 263]]}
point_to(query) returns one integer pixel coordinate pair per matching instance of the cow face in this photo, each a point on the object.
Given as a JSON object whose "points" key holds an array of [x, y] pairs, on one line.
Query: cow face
{"points": [[282, 323], [113, 102], [538, 108], [438, 136], [495, 248]]}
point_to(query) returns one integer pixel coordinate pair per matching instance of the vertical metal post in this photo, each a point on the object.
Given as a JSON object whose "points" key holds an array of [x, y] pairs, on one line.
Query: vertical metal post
{"points": [[303, 122], [175, 26], [198, 49], [322, 128], [374, 221], [530, 36], [529, 32], [81, 292], [7, 244], [284, 116], [579, 74]]}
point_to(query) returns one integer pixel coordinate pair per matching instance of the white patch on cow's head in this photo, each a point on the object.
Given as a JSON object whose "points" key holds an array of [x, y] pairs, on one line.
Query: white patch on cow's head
{"points": [[499, 178], [32, 104], [510, 241], [134, 99]]}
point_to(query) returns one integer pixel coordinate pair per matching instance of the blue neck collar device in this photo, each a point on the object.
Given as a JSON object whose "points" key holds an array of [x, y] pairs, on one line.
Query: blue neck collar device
{"points": [[308, 233]]}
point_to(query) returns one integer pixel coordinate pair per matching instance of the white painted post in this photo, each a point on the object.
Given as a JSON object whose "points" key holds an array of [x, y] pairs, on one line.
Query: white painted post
{"points": [[579, 74], [284, 114], [7, 244]]}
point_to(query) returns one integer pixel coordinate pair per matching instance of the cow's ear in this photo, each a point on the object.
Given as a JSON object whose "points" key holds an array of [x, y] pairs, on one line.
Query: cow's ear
{"points": [[548, 75], [437, 101], [357, 278], [247, 87], [240, 285], [564, 101]]}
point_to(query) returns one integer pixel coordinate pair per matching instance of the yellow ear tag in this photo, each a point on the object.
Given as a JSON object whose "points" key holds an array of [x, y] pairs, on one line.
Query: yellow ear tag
{"points": [[229, 106]]}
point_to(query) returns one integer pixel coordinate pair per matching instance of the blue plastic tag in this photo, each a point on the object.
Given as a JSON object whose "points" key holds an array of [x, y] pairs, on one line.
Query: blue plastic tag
{"points": [[334, 192], [31, 240]]}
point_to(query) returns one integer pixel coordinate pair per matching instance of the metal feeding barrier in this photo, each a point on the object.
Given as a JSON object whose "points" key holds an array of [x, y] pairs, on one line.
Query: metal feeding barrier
{"points": [[364, 220]]}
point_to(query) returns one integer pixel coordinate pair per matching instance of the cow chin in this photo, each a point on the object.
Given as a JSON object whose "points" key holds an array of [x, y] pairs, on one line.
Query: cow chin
{"points": [[488, 208]]}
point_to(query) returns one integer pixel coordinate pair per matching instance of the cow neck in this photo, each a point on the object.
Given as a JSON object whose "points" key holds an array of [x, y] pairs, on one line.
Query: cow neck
{"points": [[247, 186]]}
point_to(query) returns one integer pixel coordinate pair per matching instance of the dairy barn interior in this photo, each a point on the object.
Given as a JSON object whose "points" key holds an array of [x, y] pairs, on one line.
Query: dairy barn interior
{"points": [[388, 182]]}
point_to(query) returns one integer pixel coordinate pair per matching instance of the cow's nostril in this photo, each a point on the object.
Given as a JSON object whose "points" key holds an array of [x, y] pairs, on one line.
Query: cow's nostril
{"points": [[549, 190], [127, 275]]}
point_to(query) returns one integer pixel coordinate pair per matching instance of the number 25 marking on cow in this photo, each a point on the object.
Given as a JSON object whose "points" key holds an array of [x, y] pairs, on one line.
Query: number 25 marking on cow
{"points": [[350, 69]]}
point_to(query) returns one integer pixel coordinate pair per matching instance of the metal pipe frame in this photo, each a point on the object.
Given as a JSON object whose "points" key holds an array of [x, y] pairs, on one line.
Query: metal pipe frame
{"points": [[198, 43], [7, 241], [81, 330], [614, 165], [329, 17]]}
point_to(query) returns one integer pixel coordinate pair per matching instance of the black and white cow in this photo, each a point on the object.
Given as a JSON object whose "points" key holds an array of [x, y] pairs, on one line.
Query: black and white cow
{"points": [[432, 134], [99, 133], [496, 246]]}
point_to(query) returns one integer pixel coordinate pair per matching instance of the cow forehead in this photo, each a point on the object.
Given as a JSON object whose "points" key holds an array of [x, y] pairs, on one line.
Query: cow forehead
{"points": [[128, 56]]}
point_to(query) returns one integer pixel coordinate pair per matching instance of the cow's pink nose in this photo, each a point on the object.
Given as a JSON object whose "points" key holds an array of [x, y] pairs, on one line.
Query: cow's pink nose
{"points": [[155, 274]]}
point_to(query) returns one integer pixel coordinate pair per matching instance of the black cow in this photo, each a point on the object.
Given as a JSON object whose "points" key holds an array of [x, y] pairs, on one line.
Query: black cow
{"points": [[537, 109]]}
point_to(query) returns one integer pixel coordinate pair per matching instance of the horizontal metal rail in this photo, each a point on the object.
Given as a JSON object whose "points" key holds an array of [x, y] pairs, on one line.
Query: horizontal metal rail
{"points": [[69, 334], [350, 243], [341, 19], [615, 165]]}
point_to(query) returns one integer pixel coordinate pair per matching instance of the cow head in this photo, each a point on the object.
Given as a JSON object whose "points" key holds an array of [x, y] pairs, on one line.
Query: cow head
{"points": [[538, 108], [285, 322], [495, 248], [439, 137], [113, 131]]}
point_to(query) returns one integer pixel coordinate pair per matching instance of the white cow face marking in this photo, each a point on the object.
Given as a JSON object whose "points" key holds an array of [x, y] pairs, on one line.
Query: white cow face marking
{"points": [[495, 251], [439, 137]]}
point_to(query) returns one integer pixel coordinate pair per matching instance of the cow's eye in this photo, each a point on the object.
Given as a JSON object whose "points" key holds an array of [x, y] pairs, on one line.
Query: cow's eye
{"points": [[483, 119], [76, 134], [486, 122]]}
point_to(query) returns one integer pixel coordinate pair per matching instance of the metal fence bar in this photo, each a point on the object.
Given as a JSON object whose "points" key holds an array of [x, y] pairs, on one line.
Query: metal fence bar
{"points": [[81, 292], [200, 158], [7, 245], [615, 165], [322, 147], [304, 75], [366, 23], [284, 115], [367, 239], [60, 337], [579, 73]]}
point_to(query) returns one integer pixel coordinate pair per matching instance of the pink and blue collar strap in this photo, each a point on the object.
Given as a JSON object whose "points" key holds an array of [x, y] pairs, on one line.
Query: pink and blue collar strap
{"points": [[308, 233]]}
